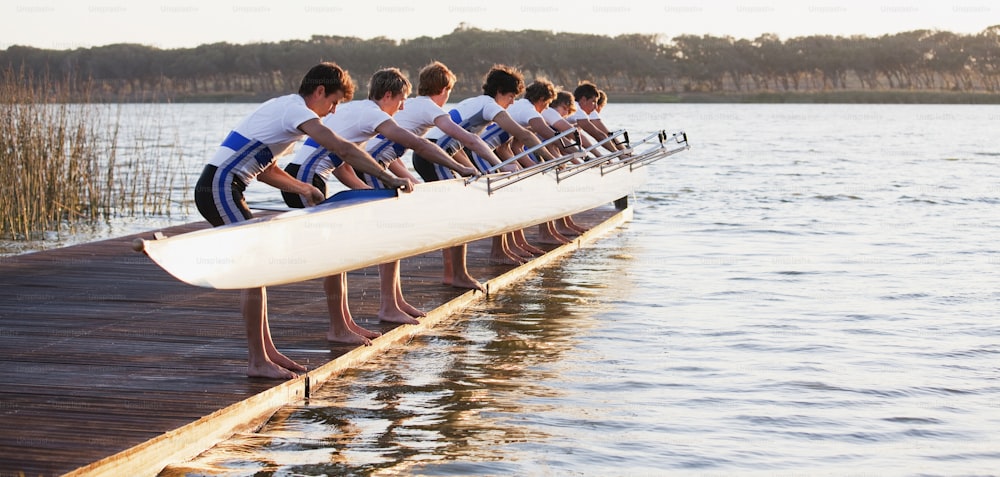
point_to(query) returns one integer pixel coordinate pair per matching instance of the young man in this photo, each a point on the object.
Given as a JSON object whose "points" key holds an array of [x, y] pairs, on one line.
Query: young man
{"points": [[357, 122], [587, 118], [250, 151], [527, 111], [418, 116], [502, 85]]}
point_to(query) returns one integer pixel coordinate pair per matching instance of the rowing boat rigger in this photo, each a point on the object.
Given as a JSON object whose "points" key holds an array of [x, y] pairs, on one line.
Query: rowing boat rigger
{"points": [[359, 228]]}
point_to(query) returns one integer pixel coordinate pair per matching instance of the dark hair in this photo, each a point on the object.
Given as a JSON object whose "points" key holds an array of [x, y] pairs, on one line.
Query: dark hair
{"points": [[388, 80], [503, 79], [435, 78], [541, 89], [585, 89], [331, 77]]}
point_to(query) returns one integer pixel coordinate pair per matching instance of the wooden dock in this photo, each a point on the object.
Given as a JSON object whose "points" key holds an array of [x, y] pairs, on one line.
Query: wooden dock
{"points": [[110, 366]]}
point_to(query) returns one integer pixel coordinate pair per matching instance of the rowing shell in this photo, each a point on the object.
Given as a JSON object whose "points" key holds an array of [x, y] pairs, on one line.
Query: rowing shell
{"points": [[373, 227]]}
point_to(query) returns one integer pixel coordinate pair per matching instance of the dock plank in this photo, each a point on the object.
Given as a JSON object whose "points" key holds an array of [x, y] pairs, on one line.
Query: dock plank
{"points": [[101, 351]]}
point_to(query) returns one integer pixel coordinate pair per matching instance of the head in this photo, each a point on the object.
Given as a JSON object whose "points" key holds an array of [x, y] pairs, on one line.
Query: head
{"points": [[586, 94], [388, 81], [602, 99], [324, 86], [503, 83], [563, 103], [540, 93], [435, 79], [389, 87]]}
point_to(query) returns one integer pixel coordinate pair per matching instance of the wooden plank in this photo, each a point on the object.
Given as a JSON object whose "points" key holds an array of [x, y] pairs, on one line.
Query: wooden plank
{"points": [[109, 366]]}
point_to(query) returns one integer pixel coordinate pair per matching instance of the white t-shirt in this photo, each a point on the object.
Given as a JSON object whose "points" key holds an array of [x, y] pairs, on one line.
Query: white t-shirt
{"points": [[354, 121], [551, 116], [275, 124], [472, 114], [522, 112], [417, 116], [580, 114]]}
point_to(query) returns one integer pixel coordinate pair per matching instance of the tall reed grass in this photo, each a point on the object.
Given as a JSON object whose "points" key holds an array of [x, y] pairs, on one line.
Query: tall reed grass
{"points": [[61, 164]]}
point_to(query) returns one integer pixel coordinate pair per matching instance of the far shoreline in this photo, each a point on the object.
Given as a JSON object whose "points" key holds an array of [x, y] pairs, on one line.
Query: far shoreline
{"points": [[767, 97]]}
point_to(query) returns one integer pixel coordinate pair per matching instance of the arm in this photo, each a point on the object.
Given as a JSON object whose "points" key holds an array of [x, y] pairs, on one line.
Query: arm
{"points": [[599, 124], [421, 146], [352, 154], [596, 133], [276, 177], [472, 141], [525, 136], [397, 167], [346, 175]]}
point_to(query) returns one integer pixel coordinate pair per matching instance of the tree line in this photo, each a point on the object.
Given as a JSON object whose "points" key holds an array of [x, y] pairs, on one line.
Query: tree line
{"points": [[919, 60]]}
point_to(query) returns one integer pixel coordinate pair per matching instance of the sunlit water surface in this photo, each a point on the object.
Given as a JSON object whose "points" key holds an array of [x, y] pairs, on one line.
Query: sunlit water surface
{"points": [[810, 290]]}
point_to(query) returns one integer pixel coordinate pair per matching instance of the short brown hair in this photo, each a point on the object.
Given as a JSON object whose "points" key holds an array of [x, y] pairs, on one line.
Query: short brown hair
{"points": [[331, 77], [435, 78], [541, 90], [388, 80]]}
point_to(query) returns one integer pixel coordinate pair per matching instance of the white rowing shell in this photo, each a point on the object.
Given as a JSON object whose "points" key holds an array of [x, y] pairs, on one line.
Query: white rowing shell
{"points": [[337, 237]]}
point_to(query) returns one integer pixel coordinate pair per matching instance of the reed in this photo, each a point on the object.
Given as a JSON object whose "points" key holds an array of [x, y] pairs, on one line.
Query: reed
{"points": [[61, 164]]}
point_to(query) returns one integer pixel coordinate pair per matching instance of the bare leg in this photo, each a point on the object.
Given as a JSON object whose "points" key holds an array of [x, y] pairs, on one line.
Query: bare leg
{"points": [[514, 245], [567, 227], [501, 253], [548, 235], [448, 267], [460, 277], [341, 331], [390, 309], [522, 241], [253, 306], [403, 304]]}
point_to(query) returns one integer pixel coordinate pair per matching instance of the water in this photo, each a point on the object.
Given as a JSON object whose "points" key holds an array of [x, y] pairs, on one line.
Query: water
{"points": [[810, 290]]}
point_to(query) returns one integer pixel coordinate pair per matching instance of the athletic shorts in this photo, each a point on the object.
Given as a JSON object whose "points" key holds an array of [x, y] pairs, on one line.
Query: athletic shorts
{"points": [[220, 201]]}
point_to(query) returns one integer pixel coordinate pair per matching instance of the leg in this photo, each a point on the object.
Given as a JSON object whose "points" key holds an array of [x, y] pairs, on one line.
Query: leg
{"points": [[501, 254], [548, 235], [403, 304], [522, 241], [569, 228], [340, 330], [460, 277], [390, 308], [253, 305]]}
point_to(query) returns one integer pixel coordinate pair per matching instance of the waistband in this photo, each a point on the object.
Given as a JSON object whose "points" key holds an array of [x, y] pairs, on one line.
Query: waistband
{"points": [[235, 141]]}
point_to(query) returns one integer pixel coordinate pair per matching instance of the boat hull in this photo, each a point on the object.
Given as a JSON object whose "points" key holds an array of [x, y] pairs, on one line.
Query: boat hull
{"points": [[332, 238]]}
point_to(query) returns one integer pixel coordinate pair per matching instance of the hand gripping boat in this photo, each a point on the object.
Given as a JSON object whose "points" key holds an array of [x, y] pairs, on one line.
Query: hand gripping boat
{"points": [[359, 228]]}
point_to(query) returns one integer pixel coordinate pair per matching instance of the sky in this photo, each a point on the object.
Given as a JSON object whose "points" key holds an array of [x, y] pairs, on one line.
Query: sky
{"points": [[69, 24]]}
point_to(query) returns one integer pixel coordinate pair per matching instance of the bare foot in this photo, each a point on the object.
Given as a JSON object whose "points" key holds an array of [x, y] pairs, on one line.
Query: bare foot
{"points": [[285, 362], [269, 370], [398, 316], [532, 249], [553, 239], [520, 252], [349, 337], [466, 282], [411, 310], [567, 232], [363, 331], [505, 258]]}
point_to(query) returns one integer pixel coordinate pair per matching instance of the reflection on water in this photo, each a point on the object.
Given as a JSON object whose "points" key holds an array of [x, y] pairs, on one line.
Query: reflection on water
{"points": [[459, 400]]}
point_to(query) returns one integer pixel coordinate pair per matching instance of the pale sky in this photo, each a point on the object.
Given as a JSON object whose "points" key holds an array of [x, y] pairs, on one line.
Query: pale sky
{"points": [[67, 24]]}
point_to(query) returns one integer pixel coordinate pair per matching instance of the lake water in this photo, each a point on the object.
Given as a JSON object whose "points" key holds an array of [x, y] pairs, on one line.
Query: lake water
{"points": [[810, 290]]}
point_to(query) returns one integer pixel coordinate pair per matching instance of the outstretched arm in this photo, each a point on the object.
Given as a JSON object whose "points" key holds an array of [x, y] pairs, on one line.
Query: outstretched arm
{"points": [[469, 140], [352, 154], [526, 137], [276, 177], [422, 146]]}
